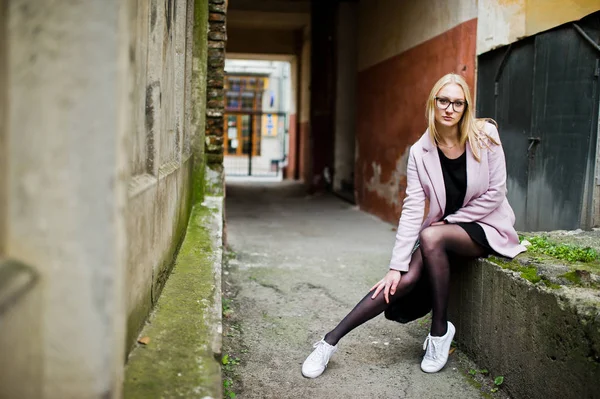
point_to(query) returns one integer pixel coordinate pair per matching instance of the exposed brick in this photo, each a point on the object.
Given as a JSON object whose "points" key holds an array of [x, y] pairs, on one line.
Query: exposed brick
{"points": [[214, 112], [215, 52], [216, 103], [212, 44], [214, 83], [216, 73], [216, 159], [215, 123], [214, 93], [216, 62], [214, 149], [218, 27], [217, 36], [215, 106], [213, 141], [217, 131], [219, 8], [215, 17]]}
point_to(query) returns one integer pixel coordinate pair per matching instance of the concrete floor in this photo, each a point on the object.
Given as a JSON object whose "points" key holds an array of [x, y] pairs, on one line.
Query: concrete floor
{"points": [[298, 265]]}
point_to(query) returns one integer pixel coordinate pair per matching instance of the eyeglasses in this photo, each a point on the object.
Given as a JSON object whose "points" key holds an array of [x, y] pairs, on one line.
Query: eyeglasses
{"points": [[444, 103]]}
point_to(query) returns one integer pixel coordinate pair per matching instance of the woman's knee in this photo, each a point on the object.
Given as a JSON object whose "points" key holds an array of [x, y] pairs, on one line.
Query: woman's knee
{"points": [[431, 239]]}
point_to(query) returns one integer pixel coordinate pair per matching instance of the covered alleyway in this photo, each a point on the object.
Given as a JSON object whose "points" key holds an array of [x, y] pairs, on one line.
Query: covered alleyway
{"points": [[298, 264]]}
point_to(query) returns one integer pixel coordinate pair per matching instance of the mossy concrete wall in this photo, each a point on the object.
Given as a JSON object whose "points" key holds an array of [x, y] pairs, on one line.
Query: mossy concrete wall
{"points": [[170, 47], [184, 331], [544, 341]]}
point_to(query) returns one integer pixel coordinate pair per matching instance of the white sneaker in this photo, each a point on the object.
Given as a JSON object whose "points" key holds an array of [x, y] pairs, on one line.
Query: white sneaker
{"points": [[316, 362], [437, 349]]}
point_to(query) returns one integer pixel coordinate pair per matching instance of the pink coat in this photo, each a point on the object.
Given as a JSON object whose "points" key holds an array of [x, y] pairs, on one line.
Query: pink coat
{"points": [[485, 200]]}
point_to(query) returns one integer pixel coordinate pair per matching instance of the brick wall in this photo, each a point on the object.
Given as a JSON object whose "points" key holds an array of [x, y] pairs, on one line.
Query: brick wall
{"points": [[217, 37]]}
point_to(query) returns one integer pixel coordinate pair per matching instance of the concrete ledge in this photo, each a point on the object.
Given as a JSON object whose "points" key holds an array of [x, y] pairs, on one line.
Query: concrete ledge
{"points": [[544, 341], [184, 330]]}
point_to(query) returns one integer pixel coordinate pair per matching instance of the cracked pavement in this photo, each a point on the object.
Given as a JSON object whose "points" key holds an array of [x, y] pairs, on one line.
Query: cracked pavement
{"points": [[299, 264]]}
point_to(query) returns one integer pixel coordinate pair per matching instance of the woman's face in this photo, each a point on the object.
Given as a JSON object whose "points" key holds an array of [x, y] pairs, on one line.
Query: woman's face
{"points": [[450, 105]]}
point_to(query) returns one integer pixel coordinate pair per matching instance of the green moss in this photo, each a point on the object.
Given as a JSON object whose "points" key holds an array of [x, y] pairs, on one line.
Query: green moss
{"points": [[178, 361], [530, 274], [567, 252], [135, 320], [477, 385], [511, 264], [572, 276], [214, 184], [550, 284]]}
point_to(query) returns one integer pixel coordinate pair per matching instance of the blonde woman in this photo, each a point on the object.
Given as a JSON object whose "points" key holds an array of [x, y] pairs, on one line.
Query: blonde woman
{"points": [[458, 165]]}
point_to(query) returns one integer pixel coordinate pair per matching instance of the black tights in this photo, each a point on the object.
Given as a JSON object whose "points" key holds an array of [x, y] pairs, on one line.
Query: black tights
{"points": [[435, 243]]}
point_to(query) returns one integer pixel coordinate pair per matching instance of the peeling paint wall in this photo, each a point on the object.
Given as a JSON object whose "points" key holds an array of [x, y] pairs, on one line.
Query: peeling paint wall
{"points": [[504, 22], [404, 48], [499, 23]]}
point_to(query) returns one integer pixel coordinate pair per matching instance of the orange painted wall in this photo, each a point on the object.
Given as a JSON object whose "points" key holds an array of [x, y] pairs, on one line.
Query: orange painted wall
{"points": [[391, 113]]}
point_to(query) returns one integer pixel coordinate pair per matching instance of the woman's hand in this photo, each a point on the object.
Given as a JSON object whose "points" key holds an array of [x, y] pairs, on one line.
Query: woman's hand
{"points": [[388, 284], [438, 223]]}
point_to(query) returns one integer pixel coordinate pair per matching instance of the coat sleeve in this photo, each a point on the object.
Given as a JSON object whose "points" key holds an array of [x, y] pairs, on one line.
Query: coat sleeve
{"points": [[411, 218], [486, 203]]}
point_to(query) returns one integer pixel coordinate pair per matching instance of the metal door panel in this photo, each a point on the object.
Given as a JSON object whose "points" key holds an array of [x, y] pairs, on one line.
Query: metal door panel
{"points": [[543, 91], [563, 112], [513, 113]]}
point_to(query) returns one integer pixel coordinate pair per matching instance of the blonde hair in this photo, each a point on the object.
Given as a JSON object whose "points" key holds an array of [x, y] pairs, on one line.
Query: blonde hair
{"points": [[469, 127]]}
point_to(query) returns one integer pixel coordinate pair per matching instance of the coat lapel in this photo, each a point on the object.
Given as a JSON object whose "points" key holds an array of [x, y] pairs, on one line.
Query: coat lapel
{"points": [[433, 166]]}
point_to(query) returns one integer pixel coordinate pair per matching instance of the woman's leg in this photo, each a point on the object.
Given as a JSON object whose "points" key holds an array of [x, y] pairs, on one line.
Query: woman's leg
{"points": [[368, 308], [436, 242]]}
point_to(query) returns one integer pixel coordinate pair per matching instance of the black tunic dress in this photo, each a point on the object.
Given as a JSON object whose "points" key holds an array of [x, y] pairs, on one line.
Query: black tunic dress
{"points": [[455, 181], [417, 303]]}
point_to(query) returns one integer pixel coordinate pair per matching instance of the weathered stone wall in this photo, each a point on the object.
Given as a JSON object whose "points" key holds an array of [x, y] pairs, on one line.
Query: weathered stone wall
{"points": [[102, 109], [215, 106], [544, 341], [3, 123], [67, 95], [168, 46]]}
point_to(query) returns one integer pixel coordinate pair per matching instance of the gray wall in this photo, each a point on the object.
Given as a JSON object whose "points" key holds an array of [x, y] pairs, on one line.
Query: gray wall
{"points": [[345, 113], [95, 181], [68, 119], [159, 188]]}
